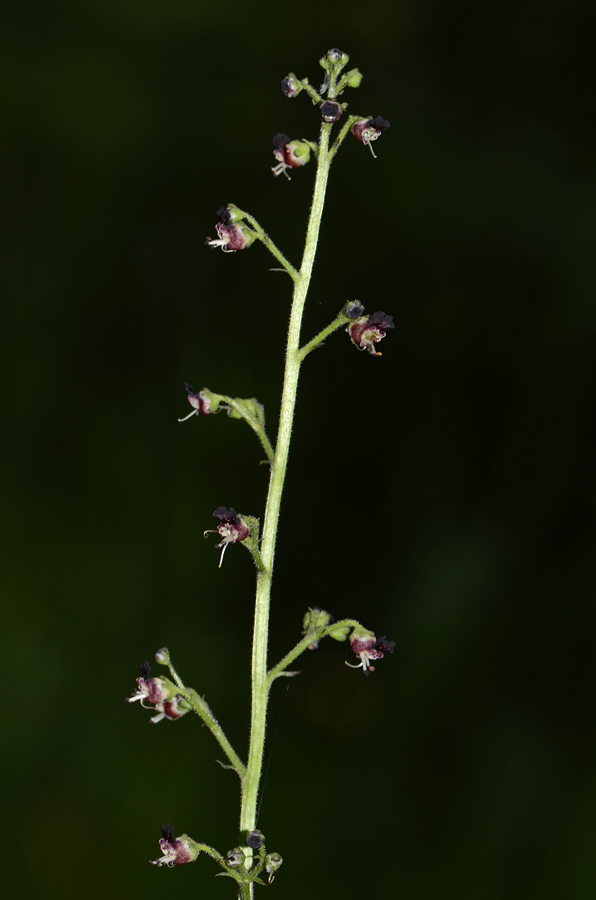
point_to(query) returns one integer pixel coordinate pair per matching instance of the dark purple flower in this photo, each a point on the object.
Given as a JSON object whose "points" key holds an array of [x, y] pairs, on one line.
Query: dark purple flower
{"points": [[353, 309], [176, 851], [366, 331], [367, 647], [232, 528], [331, 111], [368, 130], [289, 154], [255, 839]]}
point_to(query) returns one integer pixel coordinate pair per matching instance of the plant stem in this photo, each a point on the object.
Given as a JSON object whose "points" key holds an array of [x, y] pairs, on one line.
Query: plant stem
{"points": [[260, 682], [203, 710], [264, 237], [320, 337]]}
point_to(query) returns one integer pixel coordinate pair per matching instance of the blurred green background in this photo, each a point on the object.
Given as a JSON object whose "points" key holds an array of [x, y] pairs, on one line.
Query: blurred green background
{"points": [[444, 494]]}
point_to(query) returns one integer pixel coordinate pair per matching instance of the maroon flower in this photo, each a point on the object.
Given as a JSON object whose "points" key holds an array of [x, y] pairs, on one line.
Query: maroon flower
{"points": [[366, 331], [176, 851], [232, 528], [289, 154], [331, 111], [201, 404], [232, 234], [159, 693], [368, 130], [367, 647]]}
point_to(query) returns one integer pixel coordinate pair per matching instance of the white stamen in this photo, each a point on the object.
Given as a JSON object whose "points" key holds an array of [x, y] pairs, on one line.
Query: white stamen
{"points": [[195, 412], [225, 547]]}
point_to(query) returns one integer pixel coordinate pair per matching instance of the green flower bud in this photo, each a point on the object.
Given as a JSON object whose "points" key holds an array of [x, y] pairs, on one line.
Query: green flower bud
{"points": [[340, 633], [353, 78], [314, 620], [163, 656]]}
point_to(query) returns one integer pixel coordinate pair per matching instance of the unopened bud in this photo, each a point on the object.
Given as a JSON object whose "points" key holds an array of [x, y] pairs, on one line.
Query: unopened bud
{"points": [[255, 839], [353, 78], [290, 85], [163, 656]]}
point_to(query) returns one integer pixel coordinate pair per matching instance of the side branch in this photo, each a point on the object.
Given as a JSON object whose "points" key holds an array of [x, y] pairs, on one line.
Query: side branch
{"points": [[340, 629], [265, 239], [203, 710], [320, 337]]}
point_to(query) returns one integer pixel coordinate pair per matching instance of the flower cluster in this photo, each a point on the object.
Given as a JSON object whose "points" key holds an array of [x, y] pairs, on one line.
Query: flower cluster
{"points": [[366, 331], [159, 693], [365, 645], [176, 851]]}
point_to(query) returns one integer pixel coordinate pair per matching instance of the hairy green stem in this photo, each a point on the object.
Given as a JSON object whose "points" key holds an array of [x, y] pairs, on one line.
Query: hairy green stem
{"points": [[203, 710], [264, 237], [260, 680], [256, 426], [320, 337]]}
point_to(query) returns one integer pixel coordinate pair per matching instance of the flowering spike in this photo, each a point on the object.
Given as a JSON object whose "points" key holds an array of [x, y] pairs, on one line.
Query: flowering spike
{"points": [[366, 331], [368, 130]]}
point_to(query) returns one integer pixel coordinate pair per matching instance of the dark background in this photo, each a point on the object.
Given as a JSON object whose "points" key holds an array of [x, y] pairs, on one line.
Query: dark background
{"points": [[444, 494]]}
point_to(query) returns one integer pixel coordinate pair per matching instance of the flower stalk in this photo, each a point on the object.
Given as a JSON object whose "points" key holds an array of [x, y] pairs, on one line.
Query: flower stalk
{"points": [[260, 681], [172, 699]]}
